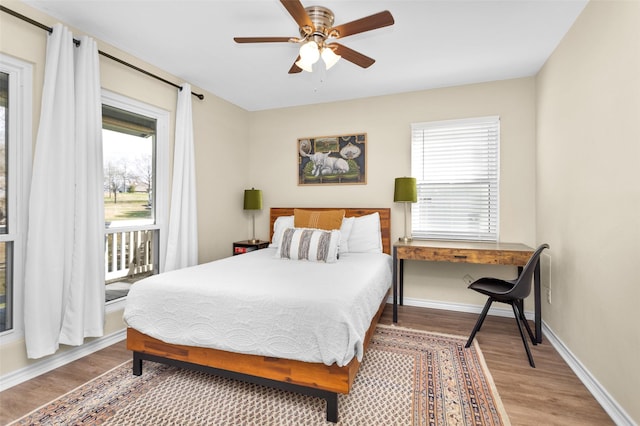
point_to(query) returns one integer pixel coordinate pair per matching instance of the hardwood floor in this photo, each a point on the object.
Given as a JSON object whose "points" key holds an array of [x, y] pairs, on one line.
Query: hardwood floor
{"points": [[549, 394], [27, 396]]}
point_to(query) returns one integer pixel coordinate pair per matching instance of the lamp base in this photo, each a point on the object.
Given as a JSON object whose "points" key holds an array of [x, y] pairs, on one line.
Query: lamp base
{"points": [[405, 239], [254, 241]]}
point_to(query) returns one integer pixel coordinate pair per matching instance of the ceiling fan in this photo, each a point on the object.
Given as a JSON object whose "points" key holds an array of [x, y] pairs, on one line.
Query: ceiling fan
{"points": [[316, 28]]}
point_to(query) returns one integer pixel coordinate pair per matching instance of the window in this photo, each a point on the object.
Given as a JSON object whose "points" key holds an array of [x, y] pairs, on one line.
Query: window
{"points": [[133, 138], [6, 246], [15, 169], [129, 141], [456, 166]]}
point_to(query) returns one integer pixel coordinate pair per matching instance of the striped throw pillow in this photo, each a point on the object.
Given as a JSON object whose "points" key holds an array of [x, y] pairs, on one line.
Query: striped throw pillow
{"points": [[314, 245]]}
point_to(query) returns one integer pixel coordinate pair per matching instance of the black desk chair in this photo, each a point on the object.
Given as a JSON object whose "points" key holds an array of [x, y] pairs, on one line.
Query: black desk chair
{"points": [[512, 292]]}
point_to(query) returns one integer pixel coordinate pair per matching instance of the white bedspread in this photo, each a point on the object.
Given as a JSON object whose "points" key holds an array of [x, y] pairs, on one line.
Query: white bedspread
{"points": [[257, 304]]}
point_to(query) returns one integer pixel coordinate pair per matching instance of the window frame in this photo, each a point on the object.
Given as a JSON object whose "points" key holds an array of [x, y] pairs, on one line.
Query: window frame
{"points": [[161, 194], [483, 153], [19, 162]]}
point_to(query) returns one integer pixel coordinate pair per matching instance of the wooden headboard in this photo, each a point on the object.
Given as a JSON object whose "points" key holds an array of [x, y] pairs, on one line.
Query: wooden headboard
{"points": [[385, 219]]}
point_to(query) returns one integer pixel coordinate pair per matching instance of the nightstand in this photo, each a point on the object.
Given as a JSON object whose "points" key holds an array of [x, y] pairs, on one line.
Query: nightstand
{"points": [[240, 247]]}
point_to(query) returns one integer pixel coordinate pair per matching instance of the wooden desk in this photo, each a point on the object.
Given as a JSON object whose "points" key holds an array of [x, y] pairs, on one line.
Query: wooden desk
{"points": [[513, 254]]}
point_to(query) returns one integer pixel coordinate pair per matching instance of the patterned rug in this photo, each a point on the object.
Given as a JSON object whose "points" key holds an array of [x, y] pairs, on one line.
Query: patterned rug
{"points": [[408, 377]]}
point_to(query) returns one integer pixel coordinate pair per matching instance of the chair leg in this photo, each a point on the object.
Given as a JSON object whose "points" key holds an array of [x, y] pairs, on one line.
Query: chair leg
{"points": [[483, 315], [516, 312], [520, 303]]}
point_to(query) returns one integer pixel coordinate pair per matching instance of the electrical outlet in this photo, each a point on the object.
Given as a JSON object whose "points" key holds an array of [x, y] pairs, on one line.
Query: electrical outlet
{"points": [[468, 279], [549, 295]]}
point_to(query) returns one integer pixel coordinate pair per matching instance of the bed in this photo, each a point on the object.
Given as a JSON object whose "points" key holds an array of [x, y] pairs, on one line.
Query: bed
{"points": [[229, 345]]}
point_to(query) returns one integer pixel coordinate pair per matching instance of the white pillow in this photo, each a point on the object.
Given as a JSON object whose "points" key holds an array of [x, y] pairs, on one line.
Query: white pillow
{"points": [[281, 223], [345, 231], [314, 245], [366, 236]]}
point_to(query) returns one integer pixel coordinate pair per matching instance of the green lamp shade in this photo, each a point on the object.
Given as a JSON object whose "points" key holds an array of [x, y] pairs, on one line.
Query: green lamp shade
{"points": [[252, 199], [405, 190]]}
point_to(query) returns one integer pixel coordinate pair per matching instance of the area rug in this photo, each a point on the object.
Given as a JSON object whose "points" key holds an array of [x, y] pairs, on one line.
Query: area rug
{"points": [[407, 377]]}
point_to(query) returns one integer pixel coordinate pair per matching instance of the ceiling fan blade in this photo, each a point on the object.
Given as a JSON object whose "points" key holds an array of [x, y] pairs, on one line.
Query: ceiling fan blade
{"points": [[352, 56], [378, 20], [262, 39], [294, 68], [296, 10]]}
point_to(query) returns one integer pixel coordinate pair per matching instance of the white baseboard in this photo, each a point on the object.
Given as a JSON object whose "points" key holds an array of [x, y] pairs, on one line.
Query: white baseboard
{"points": [[57, 360], [460, 307], [615, 411]]}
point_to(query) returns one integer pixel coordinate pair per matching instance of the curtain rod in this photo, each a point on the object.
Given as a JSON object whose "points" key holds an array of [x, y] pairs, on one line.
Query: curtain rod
{"points": [[77, 42]]}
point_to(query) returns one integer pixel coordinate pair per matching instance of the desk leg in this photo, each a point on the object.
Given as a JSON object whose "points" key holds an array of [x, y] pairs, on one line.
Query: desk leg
{"points": [[394, 284], [401, 281], [538, 304]]}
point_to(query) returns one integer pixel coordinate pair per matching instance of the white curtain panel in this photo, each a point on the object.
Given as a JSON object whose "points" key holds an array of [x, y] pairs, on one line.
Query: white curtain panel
{"points": [[182, 237], [58, 286], [84, 314]]}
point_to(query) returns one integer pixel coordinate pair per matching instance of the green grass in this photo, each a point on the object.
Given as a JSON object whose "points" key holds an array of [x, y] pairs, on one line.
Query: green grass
{"points": [[129, 205]]}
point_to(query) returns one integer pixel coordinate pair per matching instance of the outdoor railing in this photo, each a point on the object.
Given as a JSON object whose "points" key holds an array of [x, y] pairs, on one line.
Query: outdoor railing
{"points": [[128, 253]]}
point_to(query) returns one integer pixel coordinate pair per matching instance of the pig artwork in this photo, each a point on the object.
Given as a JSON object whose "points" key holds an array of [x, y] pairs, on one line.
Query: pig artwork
{"points": [[332, 160], [324, 164]]}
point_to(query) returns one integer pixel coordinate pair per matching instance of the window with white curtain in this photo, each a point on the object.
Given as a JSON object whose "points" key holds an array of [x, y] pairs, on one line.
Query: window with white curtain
{"points": [[135, 146], [15, 170], [456, 165]]}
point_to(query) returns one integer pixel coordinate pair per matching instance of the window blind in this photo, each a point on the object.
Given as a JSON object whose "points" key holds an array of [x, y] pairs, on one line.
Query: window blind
{"points": [[456, 166], [127, 122]]}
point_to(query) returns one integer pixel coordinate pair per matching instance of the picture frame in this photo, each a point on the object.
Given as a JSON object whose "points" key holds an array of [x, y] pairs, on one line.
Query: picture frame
{"points": [[333, 160]]}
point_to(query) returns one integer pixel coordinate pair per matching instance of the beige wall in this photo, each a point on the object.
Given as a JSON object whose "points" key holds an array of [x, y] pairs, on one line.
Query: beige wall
{"points": [[588, 193], [220, 131], [387, 122]]}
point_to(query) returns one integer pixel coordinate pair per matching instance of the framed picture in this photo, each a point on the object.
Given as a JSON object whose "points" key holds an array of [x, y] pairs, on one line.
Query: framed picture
{"points": [[333, 160]]}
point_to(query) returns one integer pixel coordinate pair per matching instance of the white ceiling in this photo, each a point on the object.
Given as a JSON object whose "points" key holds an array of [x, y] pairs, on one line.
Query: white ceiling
{"points": [[432, 43]]}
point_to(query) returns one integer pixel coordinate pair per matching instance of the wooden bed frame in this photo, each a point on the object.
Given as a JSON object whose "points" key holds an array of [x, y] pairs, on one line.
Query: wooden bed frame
{"points": [[315, 379]]}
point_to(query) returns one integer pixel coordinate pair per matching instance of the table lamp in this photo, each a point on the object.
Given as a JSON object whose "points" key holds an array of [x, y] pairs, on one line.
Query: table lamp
{"points": [[253, 202], [405, 192]]}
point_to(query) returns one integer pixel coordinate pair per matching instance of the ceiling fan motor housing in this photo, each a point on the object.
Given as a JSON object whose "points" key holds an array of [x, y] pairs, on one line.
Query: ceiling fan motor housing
{"points": [[322, 19]]}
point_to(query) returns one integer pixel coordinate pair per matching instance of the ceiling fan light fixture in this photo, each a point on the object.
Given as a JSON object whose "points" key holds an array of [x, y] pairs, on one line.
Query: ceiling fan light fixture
{"points": [[305, 65], [309, 52], [329, 57]]}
